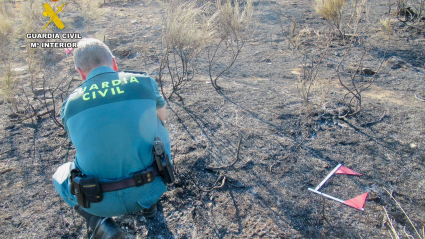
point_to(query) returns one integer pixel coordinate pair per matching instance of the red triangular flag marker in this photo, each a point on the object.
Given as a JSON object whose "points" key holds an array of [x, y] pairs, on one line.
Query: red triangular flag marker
{"points": [[357, 202], [345, 170]]}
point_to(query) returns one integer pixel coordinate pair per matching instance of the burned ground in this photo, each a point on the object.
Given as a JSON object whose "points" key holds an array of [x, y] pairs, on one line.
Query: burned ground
{"points": [[255, 125]]}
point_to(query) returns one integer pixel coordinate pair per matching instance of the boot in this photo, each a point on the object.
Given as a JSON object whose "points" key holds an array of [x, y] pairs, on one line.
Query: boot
{"points": [[150, 212], [103, 227], [107, 229]]}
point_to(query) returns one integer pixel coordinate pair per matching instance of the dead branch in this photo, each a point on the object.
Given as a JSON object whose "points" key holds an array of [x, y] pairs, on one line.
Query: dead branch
{"points": [[230, 165]]}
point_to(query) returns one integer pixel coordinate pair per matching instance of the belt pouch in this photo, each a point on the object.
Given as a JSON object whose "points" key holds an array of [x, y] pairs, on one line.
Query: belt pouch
{"points": [[91, 189], [79, 193]]}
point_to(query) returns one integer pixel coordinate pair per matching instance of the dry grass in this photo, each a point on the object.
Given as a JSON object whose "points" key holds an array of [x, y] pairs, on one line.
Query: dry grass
{"points": [[187, 30], [233, 19], [331, 10], [185, 27], [386, 23], [394, 233], [234, 25]]}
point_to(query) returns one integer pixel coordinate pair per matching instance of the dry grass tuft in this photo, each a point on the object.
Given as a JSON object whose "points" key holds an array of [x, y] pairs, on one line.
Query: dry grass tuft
{"points": [[234, 19], [187, 30], [331, 10], [185, 26], [234, 26], [386, 23]]}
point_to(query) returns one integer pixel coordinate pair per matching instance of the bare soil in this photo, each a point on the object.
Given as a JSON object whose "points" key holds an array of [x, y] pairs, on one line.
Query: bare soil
{"points": [[256, 119]]}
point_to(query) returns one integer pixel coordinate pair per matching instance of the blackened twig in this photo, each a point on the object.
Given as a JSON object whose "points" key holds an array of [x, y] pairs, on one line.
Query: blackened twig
{"points": [[215, 187]]}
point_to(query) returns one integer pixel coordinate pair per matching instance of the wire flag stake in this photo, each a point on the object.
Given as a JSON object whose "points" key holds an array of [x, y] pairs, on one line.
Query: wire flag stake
{"points": [[356, 202]]}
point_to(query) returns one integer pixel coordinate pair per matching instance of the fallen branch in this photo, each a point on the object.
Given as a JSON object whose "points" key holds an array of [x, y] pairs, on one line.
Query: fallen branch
{"points": [[230, 165], [215, 187]]}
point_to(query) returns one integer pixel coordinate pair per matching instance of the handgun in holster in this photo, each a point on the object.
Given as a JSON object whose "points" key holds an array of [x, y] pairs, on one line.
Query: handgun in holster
{"points": [[162, 160]]}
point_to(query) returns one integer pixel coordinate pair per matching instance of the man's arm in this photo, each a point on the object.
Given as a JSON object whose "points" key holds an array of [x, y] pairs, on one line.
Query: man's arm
{"points": [[161, 113]]}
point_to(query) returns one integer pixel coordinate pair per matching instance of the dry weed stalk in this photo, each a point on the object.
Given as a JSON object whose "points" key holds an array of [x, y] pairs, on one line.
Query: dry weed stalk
{"points": [[294, 39], [308, 79], [393, 231], [233, 28], [187, 31], [352, 84]]}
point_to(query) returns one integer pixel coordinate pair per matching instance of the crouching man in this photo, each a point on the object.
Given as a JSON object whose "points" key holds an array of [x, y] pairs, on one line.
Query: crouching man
{"points": [[115, 121]]}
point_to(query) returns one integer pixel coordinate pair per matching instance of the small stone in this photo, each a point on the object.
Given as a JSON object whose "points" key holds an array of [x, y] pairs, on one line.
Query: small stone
{"points": [[368, 71], [413, 145]]}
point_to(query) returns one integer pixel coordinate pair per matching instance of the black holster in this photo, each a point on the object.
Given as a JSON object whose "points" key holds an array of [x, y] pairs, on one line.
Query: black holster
{"points": [[74, 172], [86, 189], [162, 160]]}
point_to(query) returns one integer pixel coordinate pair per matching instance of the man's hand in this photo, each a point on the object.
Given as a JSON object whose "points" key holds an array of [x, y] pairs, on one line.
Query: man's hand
{"points": [[161, 113]]}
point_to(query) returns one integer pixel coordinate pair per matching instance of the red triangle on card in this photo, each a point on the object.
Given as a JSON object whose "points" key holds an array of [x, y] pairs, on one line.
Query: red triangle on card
{"points": [[357, 202], [345, 170]]}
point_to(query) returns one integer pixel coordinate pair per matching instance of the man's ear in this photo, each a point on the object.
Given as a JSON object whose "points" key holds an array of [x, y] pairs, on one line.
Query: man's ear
{"points": [[114, 64], [82, 73]]}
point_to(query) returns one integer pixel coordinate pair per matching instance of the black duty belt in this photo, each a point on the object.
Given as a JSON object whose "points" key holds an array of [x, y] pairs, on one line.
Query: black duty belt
{"points": [[138, 179], [89, 190]]}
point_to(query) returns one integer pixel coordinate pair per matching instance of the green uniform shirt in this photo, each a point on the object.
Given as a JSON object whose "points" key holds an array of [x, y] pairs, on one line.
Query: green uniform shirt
{"points": [[112, 122]]}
